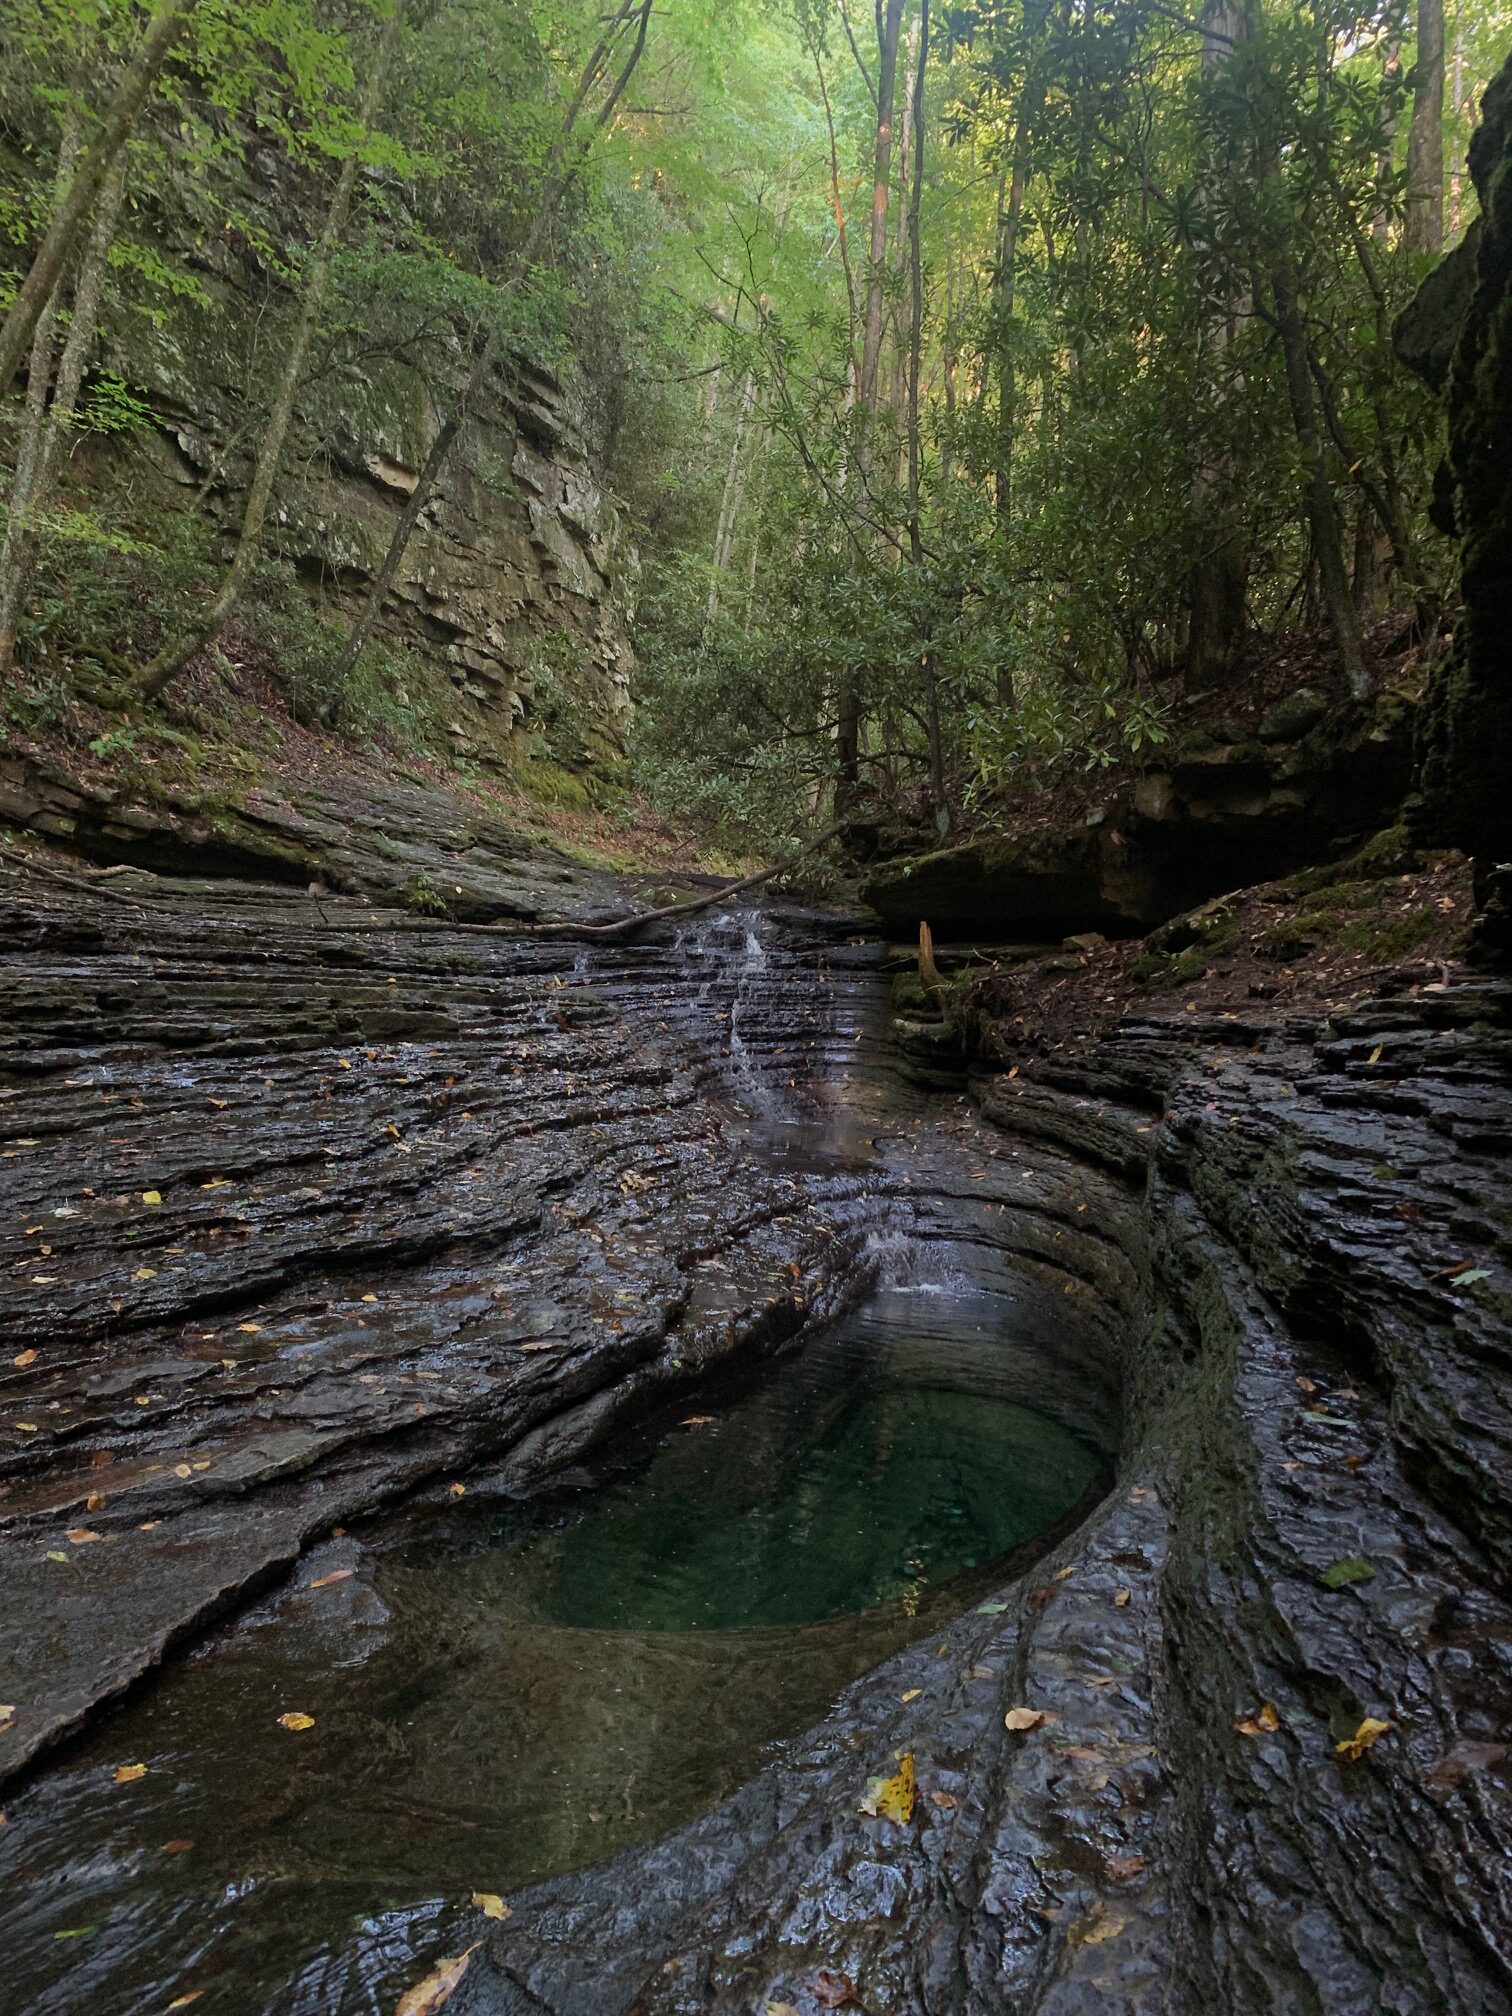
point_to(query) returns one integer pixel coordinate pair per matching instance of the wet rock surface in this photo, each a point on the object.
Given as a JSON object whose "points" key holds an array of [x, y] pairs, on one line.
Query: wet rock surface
{"points": [[1308, 1538], [308, 1211]]}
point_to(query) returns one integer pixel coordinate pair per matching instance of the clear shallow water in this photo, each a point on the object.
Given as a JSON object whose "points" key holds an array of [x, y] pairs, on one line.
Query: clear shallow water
{"points": [[503, 1693]]}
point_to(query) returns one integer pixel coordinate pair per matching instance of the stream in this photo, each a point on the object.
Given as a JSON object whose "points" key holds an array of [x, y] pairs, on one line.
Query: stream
{"points": [[504, 1683]]}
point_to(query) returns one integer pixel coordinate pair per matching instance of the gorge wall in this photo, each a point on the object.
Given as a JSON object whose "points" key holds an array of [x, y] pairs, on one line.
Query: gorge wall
{"points": [[519, 583]]}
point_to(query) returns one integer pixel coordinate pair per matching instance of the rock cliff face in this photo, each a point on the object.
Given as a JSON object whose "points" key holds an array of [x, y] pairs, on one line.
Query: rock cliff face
{"points": [[1458, 334], [520, 579]]}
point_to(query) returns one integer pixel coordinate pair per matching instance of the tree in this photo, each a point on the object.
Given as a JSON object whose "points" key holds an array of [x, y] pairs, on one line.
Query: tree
{"points": [[173, 658], [1424, 225], [72, 212]]}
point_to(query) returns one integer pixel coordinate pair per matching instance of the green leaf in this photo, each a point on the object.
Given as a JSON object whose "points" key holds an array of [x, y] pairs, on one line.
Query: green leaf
{"points": [[1344, 1574]]}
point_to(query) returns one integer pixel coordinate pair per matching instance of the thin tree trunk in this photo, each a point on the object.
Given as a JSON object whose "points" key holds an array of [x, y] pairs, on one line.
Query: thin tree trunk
{"points": [[172, 660], [152, 52], [1318, 500], [16, 566], [556, 186], [734, 491], [1217, 584], [1456, 173], [889, 25], [1424, 229], [1391, 71], [29, 448], [915, 354]]}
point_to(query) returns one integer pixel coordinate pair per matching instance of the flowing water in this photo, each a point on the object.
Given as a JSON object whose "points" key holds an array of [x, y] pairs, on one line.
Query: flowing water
{"points": [[502, 1691]]}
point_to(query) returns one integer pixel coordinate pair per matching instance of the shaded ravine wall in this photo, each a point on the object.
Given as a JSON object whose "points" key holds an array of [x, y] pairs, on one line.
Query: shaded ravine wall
{"points": [[518, 588]]}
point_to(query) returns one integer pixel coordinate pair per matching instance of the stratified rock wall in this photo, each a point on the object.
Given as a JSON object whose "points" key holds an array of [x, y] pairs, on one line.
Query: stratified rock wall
{"points": [[1459, 335], [520, 579]]}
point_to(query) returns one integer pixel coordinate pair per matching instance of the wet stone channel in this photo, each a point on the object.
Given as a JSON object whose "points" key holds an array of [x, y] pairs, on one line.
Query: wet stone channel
{"points": [[507, 1681]]}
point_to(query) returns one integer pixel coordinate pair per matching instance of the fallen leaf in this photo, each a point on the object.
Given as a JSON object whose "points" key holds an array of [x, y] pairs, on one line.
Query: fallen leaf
{"points": [[832, 1990], [1121, 1600], [95, 1502], [438, 1986], [1041, 1599], [1124, 1868], [182, 1470], [183, 2001], [1353, 1748], [1097, 1926], [1470, 1275], [127, 1774], [1261, 1723], [1344, 1574], [250, 1329], [152, 1197], [946, 1801], [990, 1609], [781, 2009], [893, 1798], [24, 1427], [912, 1694], [145, 1274], [180, 1847], [296, 1721], [697, 1421], [24, 1358], [80, 1536], [1023, 1719], [490, 1905], [7, 1713], [336, 1575], [56, 1554], [459, 1490], [44, 1280], [370, 1298]]}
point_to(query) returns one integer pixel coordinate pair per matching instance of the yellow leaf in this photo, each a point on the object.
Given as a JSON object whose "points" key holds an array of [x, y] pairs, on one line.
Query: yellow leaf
{"points": [[24, 1358], [296, 1721], [893, 1798], [7, 1713], [145, 1274], [182, 1470], [127, 1774], [1353, 1748], [1261, 1723], [44, 1280], [336, 1575], [80, 1536], [216, 1183], [1375, 1055], [912, 1694], [1023, 1719], [459, 1490], [370, 1298], [95, 1502], [152, 1197], [250, 1329], [24, 1427], [1121, 1600], [438, 1986], [490, 1905], [183, 2001]]}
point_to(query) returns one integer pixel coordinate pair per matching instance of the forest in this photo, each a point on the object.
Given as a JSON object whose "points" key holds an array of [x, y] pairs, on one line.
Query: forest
{"points": [[965, 377], [755, 1018]]}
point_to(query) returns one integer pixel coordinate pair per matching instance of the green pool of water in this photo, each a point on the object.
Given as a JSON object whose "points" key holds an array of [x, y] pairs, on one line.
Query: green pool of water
{"points": [[501, 1693]]}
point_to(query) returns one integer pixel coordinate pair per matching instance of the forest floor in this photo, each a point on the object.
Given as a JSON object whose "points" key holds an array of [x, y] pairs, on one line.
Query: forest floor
{"points": [[228, 729]]}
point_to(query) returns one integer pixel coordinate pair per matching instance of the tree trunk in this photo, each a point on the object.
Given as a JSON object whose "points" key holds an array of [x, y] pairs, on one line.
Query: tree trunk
{"points": [[1318, 499], [153, 51], [1217, 585], [29, 448], [172, 660], [729, 503], [17, 563], [889, 25], [1424, 228], [937, 786]]}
